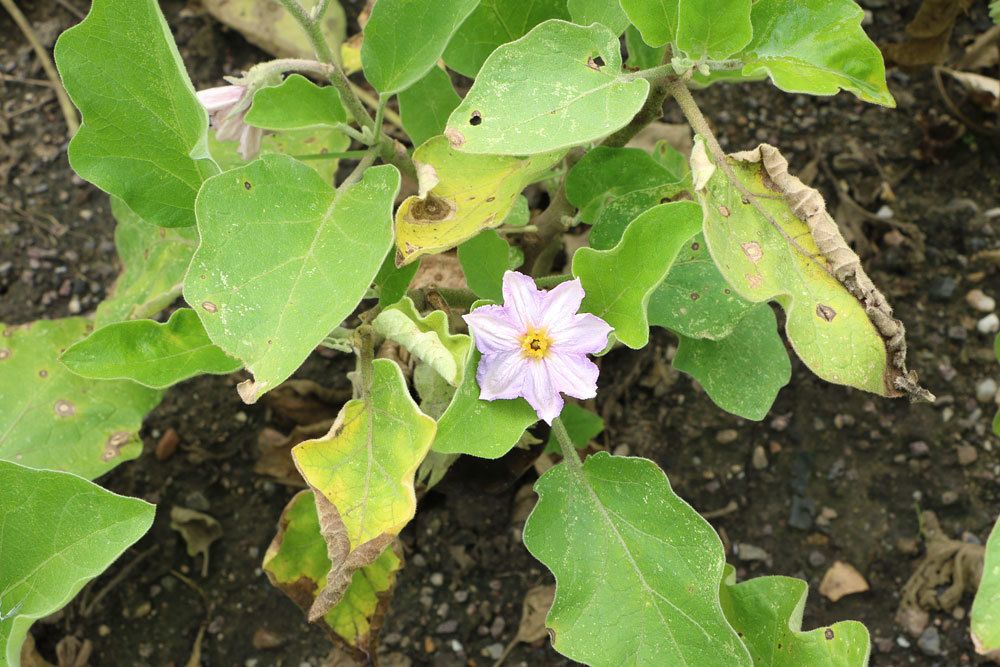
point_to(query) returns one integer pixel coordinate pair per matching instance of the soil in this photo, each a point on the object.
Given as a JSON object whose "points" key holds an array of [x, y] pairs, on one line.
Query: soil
{"points": [[838, 475]]}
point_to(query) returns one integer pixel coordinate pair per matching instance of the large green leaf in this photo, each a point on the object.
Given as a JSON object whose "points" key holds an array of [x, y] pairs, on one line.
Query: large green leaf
{"points": [[560, 85], [618, 282], [460, 195], [610, 14], [154, 261], [52, 418], [364, 469], [816, 47], [655, 19], [426, 337], [743, 372], [496, 22], [297, 563], [296, 104], [143, 132], [487, 429], [640, 54], [59, 532], [484, 259], [766, 612], [637, 569], [152, 354], [392, 281], [391, 60], [425, 106], [713, 30], [283, 259], [694, 300], [986, 606], [775, 257], [312, 146]]}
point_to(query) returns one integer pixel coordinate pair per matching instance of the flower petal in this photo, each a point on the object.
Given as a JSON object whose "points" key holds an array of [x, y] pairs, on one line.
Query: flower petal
{"points": [[501, 375], [522, 299], [561, 303], [494, 330], [540, 393], [582, 334], [572, 374], [228, 128], [250, 139], [216, 99]]}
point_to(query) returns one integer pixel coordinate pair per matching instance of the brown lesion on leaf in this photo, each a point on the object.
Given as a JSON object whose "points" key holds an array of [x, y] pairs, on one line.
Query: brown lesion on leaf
{"points": [[5, 353], [828, 633], [825, 312], [431, 209], [114, 444], [43, 373], [753, 251], [595, 62], [754, 280], [724, 211], [64, 408], [695, 296], [455, 138], [209, 307]]}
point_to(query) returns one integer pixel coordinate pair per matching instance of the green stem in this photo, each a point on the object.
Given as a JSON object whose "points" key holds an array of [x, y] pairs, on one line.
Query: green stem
{"points": [[355, 175], [282, 65], [353, 134], [566, 446], [312, 30], [364, 340], [332, 156], [380, 110]]}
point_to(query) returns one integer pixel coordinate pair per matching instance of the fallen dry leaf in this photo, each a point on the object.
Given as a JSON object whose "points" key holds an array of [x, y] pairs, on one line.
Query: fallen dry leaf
{"points": [[928, 34], [199, 531], [840, 580], [274, 451], [304, 402], [537, 603]]}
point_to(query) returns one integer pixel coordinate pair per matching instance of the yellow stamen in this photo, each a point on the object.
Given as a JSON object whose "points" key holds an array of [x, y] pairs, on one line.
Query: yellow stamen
{"points": [[535, 343]]}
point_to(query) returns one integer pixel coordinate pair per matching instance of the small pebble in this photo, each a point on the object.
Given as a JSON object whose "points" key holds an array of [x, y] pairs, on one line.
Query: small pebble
{"points": [[949, 497], [986, 390], [446, 627], [980, 301], [437, 579], [759, 459], [919, 449], [167, 445], [817, 559], [967, 454], [726, 436], [929, 641], [989, 324], [264, 639]]}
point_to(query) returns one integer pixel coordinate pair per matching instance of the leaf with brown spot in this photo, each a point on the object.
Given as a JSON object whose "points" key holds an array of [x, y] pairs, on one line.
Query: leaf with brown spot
{"points": [[51, 418]]}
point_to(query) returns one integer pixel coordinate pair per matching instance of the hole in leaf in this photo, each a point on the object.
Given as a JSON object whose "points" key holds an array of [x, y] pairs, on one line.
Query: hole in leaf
{"points": [[595, 63], [476, 118], [246, 185], [825, 312], [829, 633], [695, 246]]}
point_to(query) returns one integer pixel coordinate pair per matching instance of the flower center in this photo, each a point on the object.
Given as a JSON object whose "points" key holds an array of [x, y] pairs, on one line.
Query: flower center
{"points": [[535, 343]]}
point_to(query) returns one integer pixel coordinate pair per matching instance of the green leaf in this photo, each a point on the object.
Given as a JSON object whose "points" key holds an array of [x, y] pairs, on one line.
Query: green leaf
{"points": [[392, 61], [496, 22], [425, 337], [605, 12], [425, 106], [283, 259], [618, 282], [487, 429], [560, 85], [640, 54], [365, 465], [986, 606], [313, 147], [143, 132], [778, 259], [995, 11], [816, 47], [393, 282], [154, 261], [297, 563], [52, 418], [485, 258], [766, 612], [743, 372], [59, 532], [715, 30], [695, 301], [296, 104], [647, 591], [460, 195], [581, 424], [655, 19], [154, 355]]}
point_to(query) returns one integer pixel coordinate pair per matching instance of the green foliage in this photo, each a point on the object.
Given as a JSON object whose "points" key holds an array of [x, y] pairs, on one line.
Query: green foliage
{"points": [[581, 424], [425, 337], [52, 418], [303, 282], [743, 372], [695, 300], [986, 606], [560, 85], [646, 592], [460, 195], [618, 282], [154, 355], [392, 282], [296, 104], [59, 532], [485, 258], [312, 146], [995, 11], [656, 20], [713, 30], [143, 132], [498, 425], [641, 54], [826, 324], [425, 106], [393, 62], [154, 261], [609, 14], [766, 612], [496, 22], [298, 564]]}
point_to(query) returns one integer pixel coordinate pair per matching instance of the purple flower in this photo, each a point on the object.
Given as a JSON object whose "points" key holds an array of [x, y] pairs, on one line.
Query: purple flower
{"points": [[536, 345], [226, 107]]}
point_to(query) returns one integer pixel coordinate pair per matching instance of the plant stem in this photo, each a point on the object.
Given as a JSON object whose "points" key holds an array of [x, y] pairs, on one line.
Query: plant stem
{"points": [[332, 156], [566, 446], [364, 342], [312, 29], [355, 175], [391, 116], [301, 65], [696, 118]]}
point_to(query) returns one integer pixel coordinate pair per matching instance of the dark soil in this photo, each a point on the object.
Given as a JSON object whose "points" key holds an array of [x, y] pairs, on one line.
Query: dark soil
{"points": [[843, 478]]}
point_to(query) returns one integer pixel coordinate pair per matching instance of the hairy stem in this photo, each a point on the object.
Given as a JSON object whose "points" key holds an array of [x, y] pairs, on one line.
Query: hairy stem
{"points": [[566, 446]]}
